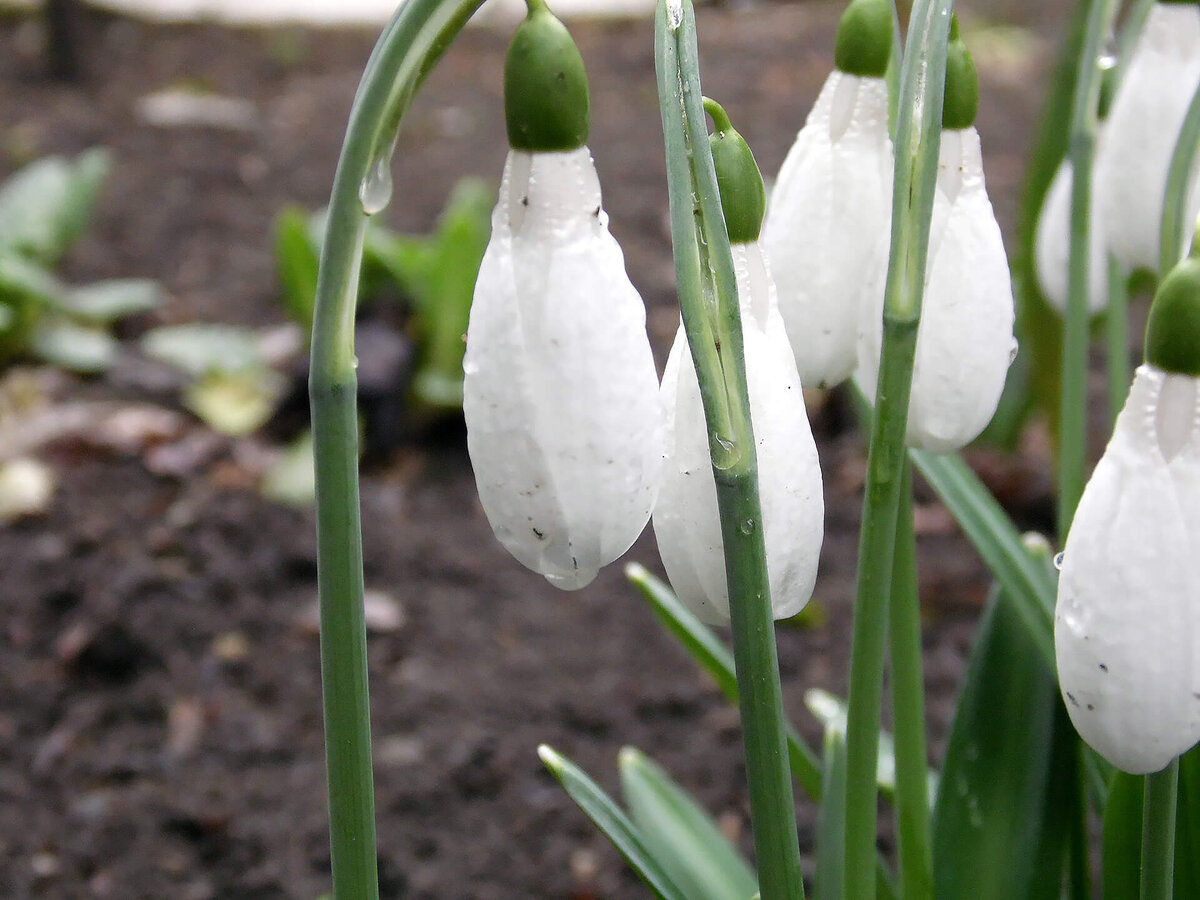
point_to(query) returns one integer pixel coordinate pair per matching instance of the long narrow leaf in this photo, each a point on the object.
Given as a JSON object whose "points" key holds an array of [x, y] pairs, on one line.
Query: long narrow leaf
{"points": [[1187, 828], [1122, 853], [612, 822], [712, 655], [989, 821], [681, 836], [1024, 578], [831, 820]]}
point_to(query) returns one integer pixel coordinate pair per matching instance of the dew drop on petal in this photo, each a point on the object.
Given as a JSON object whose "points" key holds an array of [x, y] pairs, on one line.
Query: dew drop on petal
{"points": [[1058, 561]]}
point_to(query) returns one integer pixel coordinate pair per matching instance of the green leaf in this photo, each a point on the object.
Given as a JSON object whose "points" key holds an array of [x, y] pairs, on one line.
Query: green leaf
{"points": [[199, 348], [46, 205], [831, 712], [103, 302], [612, 822], [990, 820], [235, 403], [681, 836], [1122, 853], [712, 655], [1187, 828], [1025, 578], [75, 347], [831, 819], [297, 255], [27, 280]]}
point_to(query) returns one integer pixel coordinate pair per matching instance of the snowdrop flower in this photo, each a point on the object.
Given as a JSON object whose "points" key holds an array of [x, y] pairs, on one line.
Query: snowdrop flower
{"points": [[560, 389], [965, 340], [686, 519], [832, 201], [1052, 247], [1127, 624], [1144, 123]]}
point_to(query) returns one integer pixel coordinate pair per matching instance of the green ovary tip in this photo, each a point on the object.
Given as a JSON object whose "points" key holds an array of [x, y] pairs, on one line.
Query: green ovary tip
{"points": [[743, 197], [864, 38], [1173, 330], [545, 86], [962, 84]]}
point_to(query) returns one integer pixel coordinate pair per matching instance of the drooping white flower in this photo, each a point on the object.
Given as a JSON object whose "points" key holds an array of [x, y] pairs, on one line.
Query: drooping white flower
{"points": [[1127, 625], [686, 521], [560, 392], [965, 342], [829, 210], [1143, 125], [1052, 248]]}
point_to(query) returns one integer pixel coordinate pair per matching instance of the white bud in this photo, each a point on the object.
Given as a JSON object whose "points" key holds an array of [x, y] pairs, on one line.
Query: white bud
{"points": [[560, 392], [686, 520], [829, 210], [1127, 624], [965, 342]]}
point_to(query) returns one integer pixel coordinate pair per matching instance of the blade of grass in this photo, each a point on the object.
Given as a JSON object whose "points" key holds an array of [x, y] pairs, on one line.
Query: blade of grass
{"points": [[612, 822]]}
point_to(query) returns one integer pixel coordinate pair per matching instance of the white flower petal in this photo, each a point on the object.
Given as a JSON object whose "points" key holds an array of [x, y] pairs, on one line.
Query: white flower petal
{"points": [[965, 341], [1143, 126], [686, 521], [560, 390], [829, 208], [1126, 624], [1052, 246]]}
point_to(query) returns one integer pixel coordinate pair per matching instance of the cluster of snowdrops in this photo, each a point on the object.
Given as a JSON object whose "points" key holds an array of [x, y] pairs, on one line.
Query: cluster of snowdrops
{"points": [[576, 444]]}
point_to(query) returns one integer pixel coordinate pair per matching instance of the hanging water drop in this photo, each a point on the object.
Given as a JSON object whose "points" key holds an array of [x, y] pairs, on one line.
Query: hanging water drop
{"points": [[725, 453], [1108, 53], [1058, 561], [375, 192], [1012, 354]]}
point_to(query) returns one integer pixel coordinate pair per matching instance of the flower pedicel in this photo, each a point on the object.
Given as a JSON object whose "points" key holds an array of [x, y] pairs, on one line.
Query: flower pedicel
{"points": [[560, 393]]}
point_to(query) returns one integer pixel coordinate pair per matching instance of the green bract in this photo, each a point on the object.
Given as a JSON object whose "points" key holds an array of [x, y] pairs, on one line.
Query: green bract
{"points": [[743, 197], [962, 84], [1173, 331], [545, 86], [864, 38]]}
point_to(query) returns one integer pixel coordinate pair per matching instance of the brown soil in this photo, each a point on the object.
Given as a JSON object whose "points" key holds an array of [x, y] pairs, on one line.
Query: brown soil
{"points": [[160, 718]]}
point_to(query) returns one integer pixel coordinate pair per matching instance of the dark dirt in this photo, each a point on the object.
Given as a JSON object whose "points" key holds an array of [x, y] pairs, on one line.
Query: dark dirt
{"points": [[160, 725]]}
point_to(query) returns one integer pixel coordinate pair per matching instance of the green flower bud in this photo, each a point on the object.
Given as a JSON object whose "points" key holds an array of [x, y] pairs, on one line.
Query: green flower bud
{"points": [[545, 86], [962, 84], [1173, 331], [743, 197], [864, 38]]}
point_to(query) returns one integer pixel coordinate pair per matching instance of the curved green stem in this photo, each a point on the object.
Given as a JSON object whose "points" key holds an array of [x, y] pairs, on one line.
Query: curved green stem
{"points": [[406, 51], [712, 321], [1072, 457], [1175, 197], [1158, 833], [918, 138]]}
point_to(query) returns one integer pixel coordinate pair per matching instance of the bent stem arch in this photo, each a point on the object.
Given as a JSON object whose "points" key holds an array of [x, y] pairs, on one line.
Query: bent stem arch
{"points": [[407, 50]]}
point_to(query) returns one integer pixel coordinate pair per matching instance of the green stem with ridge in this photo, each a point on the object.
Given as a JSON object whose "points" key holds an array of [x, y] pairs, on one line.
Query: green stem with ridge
{"points": [[408, 48], [1158, 833], [923, 74], [1072, 456], [908, 709], [708, 300]]}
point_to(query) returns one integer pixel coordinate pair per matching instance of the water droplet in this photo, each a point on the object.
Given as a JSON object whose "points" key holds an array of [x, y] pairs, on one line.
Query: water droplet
{"points": [[1108, 53], [747, 527], [725, 453], [354, 363], [1012, 354], [1058, 561], [375, 192]]}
